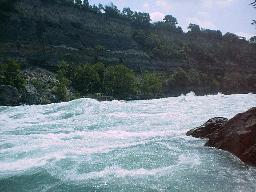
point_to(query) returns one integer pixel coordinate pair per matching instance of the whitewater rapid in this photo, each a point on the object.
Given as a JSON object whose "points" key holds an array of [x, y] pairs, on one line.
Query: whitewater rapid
{"points": [[85, 145]]}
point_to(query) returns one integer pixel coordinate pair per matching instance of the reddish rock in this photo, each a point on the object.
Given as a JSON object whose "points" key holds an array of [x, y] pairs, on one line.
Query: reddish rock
{"points": [[237, 135]]}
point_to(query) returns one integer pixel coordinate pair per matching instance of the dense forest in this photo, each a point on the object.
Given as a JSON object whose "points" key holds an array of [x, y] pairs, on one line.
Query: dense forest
{"points": [[57, 50]]}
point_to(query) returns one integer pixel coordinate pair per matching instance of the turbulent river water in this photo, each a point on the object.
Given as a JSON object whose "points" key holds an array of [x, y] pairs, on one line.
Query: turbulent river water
{"points": [[85, 145]]}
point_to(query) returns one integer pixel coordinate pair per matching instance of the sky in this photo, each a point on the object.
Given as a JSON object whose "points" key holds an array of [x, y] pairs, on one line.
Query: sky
{"points": [[233, 16]]}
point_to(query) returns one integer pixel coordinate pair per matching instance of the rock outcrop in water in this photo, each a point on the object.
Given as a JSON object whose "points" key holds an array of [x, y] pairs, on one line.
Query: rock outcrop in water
{"points": [[237, 135]]}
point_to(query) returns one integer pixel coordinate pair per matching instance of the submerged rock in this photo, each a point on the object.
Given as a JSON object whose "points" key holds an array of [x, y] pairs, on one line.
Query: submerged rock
{"points": [[237, 135]]}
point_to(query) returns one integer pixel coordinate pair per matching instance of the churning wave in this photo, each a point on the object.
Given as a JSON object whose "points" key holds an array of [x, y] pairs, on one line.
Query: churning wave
{"points": [[86, 145]]}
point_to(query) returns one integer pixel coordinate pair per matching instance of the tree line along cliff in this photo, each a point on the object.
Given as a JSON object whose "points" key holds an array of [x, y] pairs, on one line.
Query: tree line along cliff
{"points": [[44, 34]]}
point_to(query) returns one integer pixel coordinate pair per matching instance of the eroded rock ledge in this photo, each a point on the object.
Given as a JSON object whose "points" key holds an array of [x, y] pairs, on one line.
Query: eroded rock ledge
{"points": [[237, 135]]}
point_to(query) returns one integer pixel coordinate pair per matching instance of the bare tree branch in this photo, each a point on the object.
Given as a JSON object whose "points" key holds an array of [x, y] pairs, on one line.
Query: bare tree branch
{"points": [[253, 4]]}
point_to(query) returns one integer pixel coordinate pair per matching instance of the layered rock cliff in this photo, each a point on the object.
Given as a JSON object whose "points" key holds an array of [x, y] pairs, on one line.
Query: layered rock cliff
{"points": [[41, 32]]}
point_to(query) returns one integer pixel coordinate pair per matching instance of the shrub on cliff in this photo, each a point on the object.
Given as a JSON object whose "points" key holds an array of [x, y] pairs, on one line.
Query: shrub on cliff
{"points": [[152, 85], [253, 40], [86, 79], [6, 7], [10, 74], [119, 81], [180, 78], [61, 90]]}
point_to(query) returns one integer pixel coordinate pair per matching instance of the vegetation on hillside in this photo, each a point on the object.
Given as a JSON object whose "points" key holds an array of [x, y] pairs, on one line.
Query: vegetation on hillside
{"points": [[117, 81], [6, 6], [254, 5], [10, 74]]}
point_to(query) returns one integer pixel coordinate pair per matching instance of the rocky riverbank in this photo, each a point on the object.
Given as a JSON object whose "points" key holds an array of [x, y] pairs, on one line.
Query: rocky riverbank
{"points": [[39, 88], [237, 135]]}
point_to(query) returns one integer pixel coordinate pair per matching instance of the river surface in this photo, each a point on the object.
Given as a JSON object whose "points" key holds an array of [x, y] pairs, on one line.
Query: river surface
{"points": [[85, 146]]}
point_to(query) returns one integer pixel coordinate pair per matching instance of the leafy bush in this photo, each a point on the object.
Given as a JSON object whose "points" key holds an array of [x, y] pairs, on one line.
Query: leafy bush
{"points": [[253, 40], [10, 74], [6, 6], [39, 85], [152, 84], [119, 81], [86, 79], [62, 92], [61, 89], [180, 78]]}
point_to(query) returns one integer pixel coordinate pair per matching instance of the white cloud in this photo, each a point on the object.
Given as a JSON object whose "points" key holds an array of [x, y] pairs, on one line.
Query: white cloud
{"points": [[146, 6], [214, 3], [204, 23], [157, 16], [244, 34], [164, 5]]}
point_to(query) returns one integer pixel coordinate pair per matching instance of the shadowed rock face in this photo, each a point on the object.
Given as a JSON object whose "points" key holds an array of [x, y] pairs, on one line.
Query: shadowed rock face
{"points": [[211, 126], [237, 135]]}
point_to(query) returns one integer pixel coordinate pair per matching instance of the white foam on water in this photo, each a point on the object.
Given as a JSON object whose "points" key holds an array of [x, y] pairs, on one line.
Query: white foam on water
{"points": [[112, 172], [124, 140]]}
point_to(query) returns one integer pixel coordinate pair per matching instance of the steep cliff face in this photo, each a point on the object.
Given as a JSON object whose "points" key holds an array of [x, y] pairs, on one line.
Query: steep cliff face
{"points": [[42, 33], [59, 24]]}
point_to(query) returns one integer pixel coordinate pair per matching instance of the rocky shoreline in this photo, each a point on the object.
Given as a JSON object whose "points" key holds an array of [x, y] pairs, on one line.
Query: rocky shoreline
{"points": [[237, 135]]}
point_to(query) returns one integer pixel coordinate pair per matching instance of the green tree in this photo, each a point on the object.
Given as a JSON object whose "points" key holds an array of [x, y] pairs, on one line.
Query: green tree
{"points": [[6, 6], [141, 19], [63, 68], [194, 28], [98, 50], [101, 7], [231, 37], [194, 77], [128, 13], [112, 10], [79, 2], [63, 82], [253, 4], [180, 78], [100, 69], [95, 9], [10, 74], [86, 79], [119, 81], [152, 84], [172, 21], [253, 40], [86, 4]]}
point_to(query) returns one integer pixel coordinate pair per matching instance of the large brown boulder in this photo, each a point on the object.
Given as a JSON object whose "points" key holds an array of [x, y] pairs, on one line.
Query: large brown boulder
{"points": [[237, 135]]}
